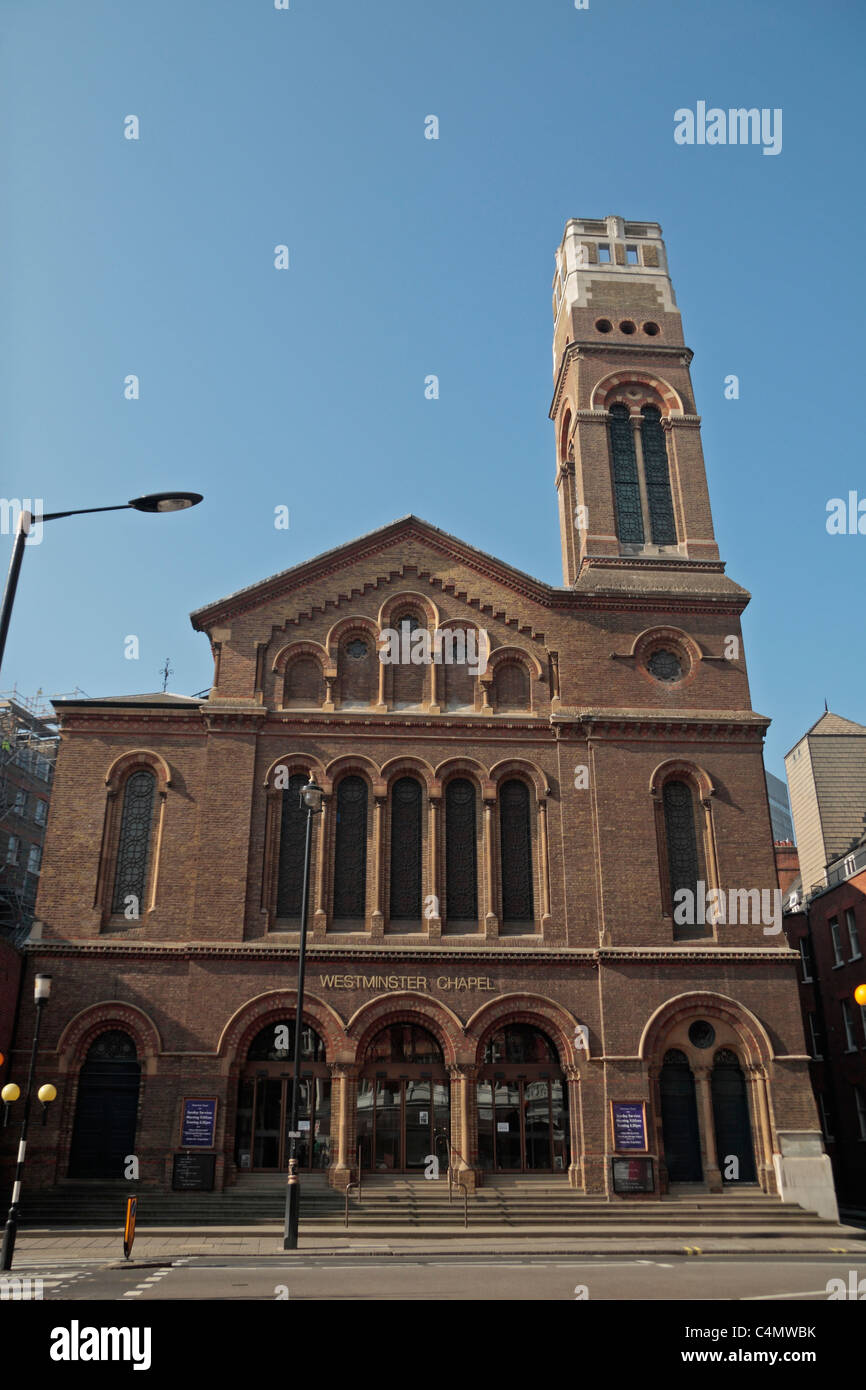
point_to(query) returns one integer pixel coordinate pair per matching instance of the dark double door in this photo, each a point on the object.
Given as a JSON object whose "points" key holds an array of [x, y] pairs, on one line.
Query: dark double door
{"points": [[680, 1123], [401, 1119], [103, 1136], [522, 1122], [731, 1124], [263, 1139]]}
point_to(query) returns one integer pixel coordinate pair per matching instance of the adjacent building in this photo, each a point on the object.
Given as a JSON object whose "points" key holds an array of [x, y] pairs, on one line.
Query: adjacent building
{"points": [[532, 793], [826, 922]]}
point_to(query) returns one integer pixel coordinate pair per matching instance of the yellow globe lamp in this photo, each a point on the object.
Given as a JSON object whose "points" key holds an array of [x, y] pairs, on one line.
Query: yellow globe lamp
{"points": [[860, 995], [47, 1093], [10, 1092]]}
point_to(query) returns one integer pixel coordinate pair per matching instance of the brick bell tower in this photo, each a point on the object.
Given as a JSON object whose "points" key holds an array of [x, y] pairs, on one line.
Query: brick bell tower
{"points": [[630, 469]]}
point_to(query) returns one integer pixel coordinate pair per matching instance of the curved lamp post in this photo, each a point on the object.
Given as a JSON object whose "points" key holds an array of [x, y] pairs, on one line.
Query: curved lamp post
{"points": [[311, 800], [47, 1093], [153, 502]]}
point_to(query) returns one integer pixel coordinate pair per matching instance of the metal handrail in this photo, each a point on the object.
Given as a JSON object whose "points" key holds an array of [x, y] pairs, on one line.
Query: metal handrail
{"points": [[350, 1186], [452, 1181]]}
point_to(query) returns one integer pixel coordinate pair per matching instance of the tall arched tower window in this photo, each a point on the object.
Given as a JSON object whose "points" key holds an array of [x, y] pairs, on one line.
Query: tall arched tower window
{"points": [[515, 841], [657, 477], [681, 837], [133, 847], [461, 858], [350, 851], [626, 484], [293, 825], [404, 904]]}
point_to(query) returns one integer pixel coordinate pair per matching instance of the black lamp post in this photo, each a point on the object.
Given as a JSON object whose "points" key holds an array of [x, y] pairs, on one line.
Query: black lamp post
{"points": [[153, 502], [311, 798], [41, 992]]}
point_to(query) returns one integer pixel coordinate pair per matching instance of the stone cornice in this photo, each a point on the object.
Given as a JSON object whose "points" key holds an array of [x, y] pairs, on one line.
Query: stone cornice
{"points": [[254, 950], [636, 351], [587, 957], [694, 725]]}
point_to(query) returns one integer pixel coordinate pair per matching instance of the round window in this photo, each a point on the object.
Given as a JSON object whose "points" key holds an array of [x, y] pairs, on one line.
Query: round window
{"points": [[603, 325], [702, 1034], [627, 326], [356, 648], [665, 666], [651, 329]]}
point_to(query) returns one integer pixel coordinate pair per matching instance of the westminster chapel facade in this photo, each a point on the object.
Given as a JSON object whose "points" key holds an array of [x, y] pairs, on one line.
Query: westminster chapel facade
{"points": [[497, 961]]}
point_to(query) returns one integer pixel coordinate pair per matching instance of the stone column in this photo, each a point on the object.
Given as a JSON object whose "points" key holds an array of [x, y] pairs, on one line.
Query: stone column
{"points": [[544, 863], [575, 1162], [378, 918], [434, 922], [463, 1078], [712, 1172], [344, 1085], [762, 1129], [491, 923], [320, 915]]}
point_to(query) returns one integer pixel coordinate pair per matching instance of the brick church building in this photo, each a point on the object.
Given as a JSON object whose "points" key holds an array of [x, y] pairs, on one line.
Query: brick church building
{"points": [[497, 954]]}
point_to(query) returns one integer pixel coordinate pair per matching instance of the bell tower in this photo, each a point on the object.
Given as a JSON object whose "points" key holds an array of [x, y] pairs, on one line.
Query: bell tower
{"points": [[629, 465]]}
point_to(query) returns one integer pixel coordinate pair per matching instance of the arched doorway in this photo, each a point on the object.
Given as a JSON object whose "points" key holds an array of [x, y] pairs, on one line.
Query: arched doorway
{"points": [[680, 1119], [522, 1102], [106, 1109], [731, 1119], [403, 1100], [265, 1101]]}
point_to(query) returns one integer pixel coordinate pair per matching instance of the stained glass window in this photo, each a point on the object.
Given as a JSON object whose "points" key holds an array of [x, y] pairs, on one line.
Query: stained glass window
{"points": [[350, 852], [461, 876], [293, 829], [515, 838], [657, 476], [681, 838], [665, 666], [625, 480], [134, 842], [405, 899]]}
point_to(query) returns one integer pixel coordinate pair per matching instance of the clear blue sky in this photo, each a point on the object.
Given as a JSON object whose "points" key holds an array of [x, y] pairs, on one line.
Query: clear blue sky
{"points": [[408, 256]]}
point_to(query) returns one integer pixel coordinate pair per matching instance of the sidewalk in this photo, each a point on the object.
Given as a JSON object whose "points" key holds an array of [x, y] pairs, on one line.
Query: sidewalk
{"points": [[174, 1242]]}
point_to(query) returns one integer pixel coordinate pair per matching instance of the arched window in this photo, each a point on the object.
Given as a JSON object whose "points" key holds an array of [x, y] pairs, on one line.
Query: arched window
{"points": [[511, 686], [358, 670], [350, 851], [267, 1045], [626, 485], [304, 682], [461, 868], [293, 826], [657, 477], [409, 677], [458, 668], [133, 847], [681, 841], [515, 843], [106, 1108], [405, 895]]}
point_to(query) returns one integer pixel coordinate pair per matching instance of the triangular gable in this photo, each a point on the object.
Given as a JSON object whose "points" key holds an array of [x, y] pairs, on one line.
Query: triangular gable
{"points": [[330, 562]]}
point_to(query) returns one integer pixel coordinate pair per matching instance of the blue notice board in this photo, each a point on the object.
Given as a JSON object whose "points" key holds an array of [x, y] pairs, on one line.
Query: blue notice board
{"points": [[629, 1125], [198, 1125]]}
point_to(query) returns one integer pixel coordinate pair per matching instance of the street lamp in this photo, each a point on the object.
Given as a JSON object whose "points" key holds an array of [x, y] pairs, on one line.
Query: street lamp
{"points": [[311, 800], [41, 994], [153, 502]]}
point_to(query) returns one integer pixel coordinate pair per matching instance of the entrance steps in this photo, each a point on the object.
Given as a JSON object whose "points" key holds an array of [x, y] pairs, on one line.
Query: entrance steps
{"points": [[390, 1206]]}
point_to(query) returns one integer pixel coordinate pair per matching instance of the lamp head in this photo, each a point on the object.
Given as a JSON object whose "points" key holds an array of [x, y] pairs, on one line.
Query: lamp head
{"points": [[166, 501], [42, 989], [312, 795]]}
